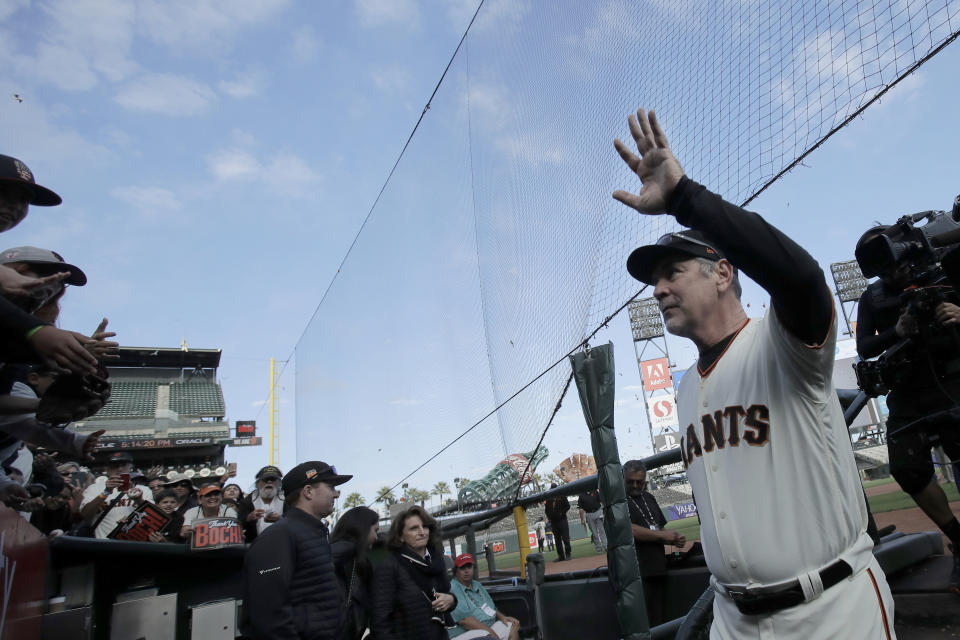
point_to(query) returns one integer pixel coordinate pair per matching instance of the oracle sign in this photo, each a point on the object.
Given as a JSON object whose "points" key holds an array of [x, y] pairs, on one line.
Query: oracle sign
{"points": [[656, 374]]}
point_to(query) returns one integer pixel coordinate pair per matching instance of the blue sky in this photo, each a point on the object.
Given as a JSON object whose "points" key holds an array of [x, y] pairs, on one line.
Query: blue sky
{"points": [[216, 160]]}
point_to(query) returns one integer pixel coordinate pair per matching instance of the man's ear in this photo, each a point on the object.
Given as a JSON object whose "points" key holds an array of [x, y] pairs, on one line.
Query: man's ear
{"points": [[724, 272]]}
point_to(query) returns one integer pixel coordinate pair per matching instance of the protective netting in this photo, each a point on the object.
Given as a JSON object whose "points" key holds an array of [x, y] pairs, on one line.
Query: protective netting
{"points": [[496, 248]]}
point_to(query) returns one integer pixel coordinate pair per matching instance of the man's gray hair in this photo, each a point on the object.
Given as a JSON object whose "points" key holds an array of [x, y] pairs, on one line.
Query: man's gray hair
{"points": [[707, 267], [633, 466]]}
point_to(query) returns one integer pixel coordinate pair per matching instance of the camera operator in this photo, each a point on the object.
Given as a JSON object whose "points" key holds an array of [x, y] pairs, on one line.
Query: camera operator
{"points": [[919, 389]]}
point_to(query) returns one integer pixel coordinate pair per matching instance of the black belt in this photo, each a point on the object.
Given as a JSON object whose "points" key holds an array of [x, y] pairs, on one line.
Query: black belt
{"points": [[755, 604]]}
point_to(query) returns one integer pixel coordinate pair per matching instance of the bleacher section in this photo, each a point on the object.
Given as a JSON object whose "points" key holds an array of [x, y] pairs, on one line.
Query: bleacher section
{"points": [[197, 399], [131, 400], [138, 399]]}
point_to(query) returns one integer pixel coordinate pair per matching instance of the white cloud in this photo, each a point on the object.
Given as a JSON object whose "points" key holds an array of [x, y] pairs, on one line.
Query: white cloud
{"points": [[83, 42], [9, 7], [291, 174], [305, 44], [149, 199], [391, 80], [60, 66], [202, 24], [166, 94], [244, 85], [288, 173], [232, 164], [373, 13]]}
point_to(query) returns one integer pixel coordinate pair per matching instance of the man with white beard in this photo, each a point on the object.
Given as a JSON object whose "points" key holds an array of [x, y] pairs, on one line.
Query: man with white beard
{"points": [[263, 506]]}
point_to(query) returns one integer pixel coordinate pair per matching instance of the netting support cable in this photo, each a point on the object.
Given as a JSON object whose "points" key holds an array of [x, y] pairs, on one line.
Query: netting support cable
{"points": [[383, 187], [563, 358], [553, 415], [852, 116]]}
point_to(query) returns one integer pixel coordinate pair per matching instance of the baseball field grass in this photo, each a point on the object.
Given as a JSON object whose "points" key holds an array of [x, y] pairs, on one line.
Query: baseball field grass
{"points": [[690, 527]]}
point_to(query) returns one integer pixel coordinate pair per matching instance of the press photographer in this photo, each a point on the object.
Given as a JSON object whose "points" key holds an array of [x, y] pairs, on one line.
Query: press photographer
{"points": [[909, 318]]}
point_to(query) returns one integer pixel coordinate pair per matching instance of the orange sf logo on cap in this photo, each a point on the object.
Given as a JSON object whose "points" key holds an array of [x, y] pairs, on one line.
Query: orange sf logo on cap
{"points": [[310, 473]]}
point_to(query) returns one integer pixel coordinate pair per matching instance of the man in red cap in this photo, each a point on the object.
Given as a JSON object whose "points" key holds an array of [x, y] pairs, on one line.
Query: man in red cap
{"points": [[475, 614]]}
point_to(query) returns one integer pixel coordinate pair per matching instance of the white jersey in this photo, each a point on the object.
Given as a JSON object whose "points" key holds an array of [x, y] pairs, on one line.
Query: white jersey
{"points": [[124, 507], [769, 458]]}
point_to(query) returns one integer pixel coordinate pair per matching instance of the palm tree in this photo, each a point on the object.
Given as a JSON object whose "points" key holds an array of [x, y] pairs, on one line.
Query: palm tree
{"points": [[537, 481], [385, 495], [440, 489], [462, 482], [354, 500], [417, 496]]}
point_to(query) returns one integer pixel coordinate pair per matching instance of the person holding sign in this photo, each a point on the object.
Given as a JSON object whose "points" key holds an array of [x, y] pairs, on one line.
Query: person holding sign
{"points": [[290, 587], [211, 506]]}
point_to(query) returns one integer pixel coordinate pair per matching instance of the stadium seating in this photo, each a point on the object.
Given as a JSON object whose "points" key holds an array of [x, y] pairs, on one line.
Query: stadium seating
{"points": [[197, 399], [131, 399]]}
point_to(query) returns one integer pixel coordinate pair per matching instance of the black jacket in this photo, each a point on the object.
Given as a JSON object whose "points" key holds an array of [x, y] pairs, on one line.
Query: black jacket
{"points": [[557, 507], [401, 611], [355, 578], [290, 586]]}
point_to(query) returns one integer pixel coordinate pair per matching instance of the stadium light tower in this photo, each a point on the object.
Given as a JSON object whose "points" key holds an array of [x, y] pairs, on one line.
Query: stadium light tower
{"points": [[646, 324], [849, 286]]}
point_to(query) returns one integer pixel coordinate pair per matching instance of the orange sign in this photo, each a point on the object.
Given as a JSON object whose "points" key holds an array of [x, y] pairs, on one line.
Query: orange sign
{"points": [[656, 374], [497, 546]]}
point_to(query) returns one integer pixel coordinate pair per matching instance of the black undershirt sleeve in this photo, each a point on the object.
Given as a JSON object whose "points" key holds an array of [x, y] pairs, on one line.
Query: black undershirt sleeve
{"points": [[794, 280]]}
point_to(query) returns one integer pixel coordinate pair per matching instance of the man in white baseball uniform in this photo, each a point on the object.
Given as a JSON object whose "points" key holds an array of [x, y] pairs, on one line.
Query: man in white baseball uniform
{"points": [[764, 439]]}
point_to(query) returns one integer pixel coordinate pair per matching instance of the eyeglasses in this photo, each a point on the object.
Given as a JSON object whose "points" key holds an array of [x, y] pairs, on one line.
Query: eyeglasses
{"points": [[212, 494], [636, 482]]}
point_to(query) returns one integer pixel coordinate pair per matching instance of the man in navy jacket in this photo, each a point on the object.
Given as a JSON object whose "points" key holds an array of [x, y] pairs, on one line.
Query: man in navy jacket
{"points": [[290, 586]]}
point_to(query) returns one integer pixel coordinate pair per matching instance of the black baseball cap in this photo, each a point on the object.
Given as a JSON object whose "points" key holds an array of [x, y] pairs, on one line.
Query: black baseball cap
{"points": [[119, 457], [310, 473], [268, 471], [689, 243], [12, 170]]}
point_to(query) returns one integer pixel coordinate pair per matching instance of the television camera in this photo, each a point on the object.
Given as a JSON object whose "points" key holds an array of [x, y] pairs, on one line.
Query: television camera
{"points": [[930, 254]]}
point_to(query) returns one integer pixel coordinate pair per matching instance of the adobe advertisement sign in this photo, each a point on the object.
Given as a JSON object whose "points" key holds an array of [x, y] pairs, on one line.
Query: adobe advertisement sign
{"points": [[216, 533], [146, 519], [656, 374], [662, 411]]}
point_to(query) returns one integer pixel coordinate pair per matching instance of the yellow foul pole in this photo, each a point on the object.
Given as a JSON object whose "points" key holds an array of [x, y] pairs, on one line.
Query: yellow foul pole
{"points": [[520, 519]]}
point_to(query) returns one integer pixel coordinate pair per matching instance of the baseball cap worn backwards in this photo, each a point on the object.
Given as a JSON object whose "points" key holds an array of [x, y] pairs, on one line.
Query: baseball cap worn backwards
{"points": [[12, 170], [687, 243], [50, 262], [310, 473]]}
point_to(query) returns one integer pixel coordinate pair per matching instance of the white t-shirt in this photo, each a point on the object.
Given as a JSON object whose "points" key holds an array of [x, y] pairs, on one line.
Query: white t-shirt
{"points": [[275, 506], [196, 513], [123, 508]]}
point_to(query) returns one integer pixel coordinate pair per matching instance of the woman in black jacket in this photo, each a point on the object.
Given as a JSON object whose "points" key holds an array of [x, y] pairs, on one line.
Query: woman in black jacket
{"points": [[411, 589], [355, 533]]}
